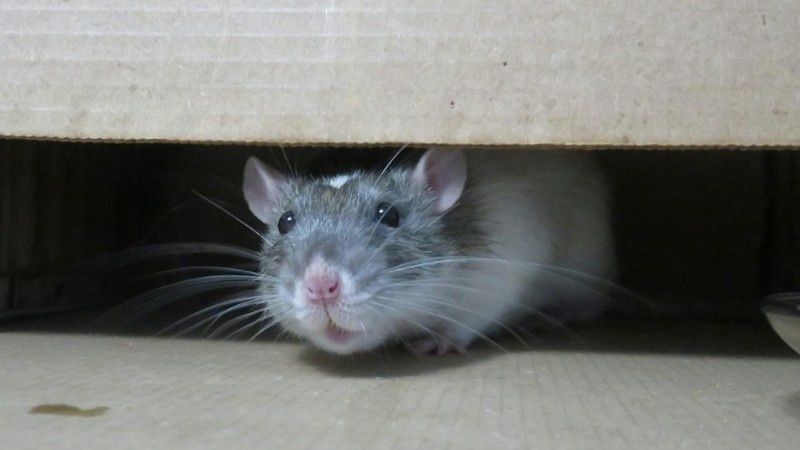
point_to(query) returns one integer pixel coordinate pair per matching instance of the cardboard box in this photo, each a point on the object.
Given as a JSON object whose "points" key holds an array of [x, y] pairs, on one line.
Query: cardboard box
{"points": [[592, 73]]}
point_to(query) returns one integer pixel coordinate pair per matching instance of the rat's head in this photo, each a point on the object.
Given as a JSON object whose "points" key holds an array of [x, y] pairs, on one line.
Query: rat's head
{"points": [[340, 258]]}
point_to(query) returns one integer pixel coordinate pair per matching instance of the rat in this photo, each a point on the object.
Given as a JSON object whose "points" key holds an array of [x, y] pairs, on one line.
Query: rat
{"points": [[433, 255]]}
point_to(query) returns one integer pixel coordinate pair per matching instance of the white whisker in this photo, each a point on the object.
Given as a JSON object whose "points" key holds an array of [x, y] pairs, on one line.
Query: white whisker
{"points": [[389, 164], [404, 317], [263, 329], [449, 303], [445, 318], [556, 271], [237, 300], [230, 214], [220, 330]]}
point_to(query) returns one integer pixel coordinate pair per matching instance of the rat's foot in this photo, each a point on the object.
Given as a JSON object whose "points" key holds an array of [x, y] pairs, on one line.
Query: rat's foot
{"points": [[435, 345]]}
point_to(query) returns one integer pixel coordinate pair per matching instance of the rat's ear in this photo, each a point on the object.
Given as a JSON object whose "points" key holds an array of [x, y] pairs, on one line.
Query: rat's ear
{"points": [[444, 171], [262, 188]]}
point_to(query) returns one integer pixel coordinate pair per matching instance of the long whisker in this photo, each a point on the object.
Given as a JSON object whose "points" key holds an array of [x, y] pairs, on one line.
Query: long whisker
{"points": [[406, 318], [232, 322], [158, 221], [438, 315], [292, 170], [473, 259], [443, 301], [467, 284], [230, 214], [263, 329], [216, 269], [561, 272], [435, 284], [208, 322], [389, 164], [235, 300], [469, 278], [785, 296], [247, 326], [162, 296], [127, 257], [236, 334], [397, 336]]}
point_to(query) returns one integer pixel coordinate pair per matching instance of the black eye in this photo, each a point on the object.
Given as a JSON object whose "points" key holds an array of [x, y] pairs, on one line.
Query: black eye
{"points": [[286, 222], [387, 215]]}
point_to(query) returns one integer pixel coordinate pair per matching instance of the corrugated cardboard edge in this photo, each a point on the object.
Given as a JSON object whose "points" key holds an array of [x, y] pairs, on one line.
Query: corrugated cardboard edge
{"points": [[488, 147], [593, 73]]}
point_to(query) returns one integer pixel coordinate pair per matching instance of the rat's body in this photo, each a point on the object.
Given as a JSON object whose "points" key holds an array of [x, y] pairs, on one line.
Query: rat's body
{"points": [[435, 255]]}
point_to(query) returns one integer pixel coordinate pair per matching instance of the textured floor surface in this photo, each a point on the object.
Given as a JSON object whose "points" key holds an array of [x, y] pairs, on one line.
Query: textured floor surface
{"points": [[656, 384]]}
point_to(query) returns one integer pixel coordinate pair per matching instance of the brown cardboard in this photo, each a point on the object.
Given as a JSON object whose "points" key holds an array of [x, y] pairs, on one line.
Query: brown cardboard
{"points": [[668, 385], [589, 72]]}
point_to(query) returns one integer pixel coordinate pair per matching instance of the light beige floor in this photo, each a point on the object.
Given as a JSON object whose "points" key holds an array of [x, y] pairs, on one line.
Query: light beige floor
{"points": [[623, 385]]}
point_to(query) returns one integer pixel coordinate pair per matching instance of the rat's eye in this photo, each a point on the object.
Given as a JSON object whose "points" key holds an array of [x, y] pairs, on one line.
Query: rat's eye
{"points": [[286, 222], [387, 215]]}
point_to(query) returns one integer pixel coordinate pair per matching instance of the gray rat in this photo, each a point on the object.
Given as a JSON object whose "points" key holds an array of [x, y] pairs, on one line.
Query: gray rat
{"points": [[435, 255]]}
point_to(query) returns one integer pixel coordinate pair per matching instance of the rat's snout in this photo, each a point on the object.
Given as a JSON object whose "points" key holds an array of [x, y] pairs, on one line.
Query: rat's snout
{"points": [[322, 284]]}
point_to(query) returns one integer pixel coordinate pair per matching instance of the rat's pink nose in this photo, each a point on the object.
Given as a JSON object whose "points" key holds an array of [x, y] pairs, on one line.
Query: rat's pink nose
{"points": [[322, 285]]}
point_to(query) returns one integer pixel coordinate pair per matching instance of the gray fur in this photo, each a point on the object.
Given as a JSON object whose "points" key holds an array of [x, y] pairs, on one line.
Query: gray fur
{"points": [[443, 304]]}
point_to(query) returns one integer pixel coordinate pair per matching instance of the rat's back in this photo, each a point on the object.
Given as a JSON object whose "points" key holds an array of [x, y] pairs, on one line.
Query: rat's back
{"points": [[540, 221]]}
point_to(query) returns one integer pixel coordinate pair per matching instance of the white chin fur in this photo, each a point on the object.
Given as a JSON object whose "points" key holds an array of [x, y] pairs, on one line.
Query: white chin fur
{"points": [[314, 330], [357, 343]]}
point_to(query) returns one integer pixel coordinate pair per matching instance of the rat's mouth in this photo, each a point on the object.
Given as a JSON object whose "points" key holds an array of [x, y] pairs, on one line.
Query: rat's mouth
{"points": [[336, 333]]}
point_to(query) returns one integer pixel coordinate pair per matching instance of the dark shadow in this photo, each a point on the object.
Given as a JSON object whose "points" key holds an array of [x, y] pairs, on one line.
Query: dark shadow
{"points": [[669, 336], [630, 335], [392, 362]]}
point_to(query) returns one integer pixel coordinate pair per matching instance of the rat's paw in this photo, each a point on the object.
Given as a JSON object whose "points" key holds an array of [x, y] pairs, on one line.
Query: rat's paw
{"points": [[435, 345]]}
